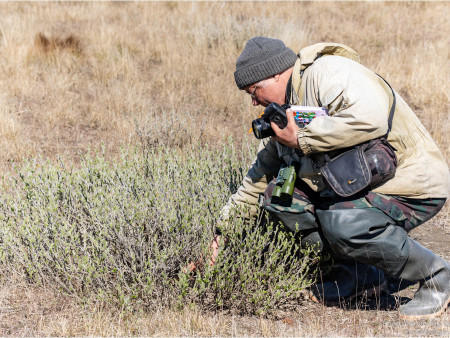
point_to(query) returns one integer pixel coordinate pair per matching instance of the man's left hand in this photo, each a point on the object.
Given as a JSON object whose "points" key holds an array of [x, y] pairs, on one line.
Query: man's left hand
{"points": [[288, 135]]}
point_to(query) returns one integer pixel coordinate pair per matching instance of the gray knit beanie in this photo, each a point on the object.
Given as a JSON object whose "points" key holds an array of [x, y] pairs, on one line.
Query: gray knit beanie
{"points": [[261, 58]]}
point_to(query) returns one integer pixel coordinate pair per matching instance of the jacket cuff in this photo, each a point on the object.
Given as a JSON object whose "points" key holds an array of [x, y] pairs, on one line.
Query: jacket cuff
{"points": [[305, 147]]}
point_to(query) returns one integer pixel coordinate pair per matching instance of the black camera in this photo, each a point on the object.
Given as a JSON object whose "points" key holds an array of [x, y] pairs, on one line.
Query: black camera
{"points": [[273, 113]]}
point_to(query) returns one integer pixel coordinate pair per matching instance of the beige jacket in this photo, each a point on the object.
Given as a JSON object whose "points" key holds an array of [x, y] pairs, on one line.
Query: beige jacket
{"points": [[358, 103]]}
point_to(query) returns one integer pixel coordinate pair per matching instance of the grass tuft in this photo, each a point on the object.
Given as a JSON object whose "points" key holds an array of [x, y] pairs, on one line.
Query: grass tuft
{"points": [[70, 43]]}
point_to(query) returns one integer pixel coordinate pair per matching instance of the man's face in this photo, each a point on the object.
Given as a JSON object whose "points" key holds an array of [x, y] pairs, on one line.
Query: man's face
{"points": [[267, 91]]}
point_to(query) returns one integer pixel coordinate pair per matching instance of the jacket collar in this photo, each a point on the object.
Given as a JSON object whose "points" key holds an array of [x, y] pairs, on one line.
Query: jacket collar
{"points": [[306, 58]]}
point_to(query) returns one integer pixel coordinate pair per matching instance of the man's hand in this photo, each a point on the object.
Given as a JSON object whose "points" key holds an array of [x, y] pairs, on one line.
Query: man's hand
{"points": [[212, 256], [288, 135]]}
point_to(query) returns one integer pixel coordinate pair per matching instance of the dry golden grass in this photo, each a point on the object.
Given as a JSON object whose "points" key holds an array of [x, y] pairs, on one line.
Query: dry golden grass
{"points": [[35, 311], [74, 75]]}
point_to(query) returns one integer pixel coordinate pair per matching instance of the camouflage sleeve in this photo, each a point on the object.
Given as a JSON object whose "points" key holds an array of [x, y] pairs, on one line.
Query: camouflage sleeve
{"points": [[262, 171]]}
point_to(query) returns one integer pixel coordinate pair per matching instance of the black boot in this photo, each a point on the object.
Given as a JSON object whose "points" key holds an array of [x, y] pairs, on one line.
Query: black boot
{"points": [[350, 279], [433, 272]]}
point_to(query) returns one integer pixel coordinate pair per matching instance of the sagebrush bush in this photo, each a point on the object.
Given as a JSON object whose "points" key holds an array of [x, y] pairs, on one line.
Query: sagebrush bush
{"points": [[261, 268], [122, 231]]}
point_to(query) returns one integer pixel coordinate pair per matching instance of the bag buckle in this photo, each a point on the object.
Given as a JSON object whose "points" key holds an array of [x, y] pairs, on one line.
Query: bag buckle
{"points": [[328, 195]]}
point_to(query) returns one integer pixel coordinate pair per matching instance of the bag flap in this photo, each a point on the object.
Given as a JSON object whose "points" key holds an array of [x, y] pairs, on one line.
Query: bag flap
{"points": [[348, 173]]}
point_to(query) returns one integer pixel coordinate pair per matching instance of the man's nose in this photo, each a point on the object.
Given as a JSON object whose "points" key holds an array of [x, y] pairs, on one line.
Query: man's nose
{"points": [[255, 102]]}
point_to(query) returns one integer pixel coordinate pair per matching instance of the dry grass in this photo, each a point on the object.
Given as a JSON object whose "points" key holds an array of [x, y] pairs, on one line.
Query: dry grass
{"points": [[74, 75], [35, 311]]}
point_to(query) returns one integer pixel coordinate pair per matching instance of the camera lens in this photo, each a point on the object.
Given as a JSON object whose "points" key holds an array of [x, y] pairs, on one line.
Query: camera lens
{"points": [[256, 126], [262, 129]]}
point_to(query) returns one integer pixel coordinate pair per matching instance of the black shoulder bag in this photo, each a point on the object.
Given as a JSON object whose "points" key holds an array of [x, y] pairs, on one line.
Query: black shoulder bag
{"points": [[362, 166]]}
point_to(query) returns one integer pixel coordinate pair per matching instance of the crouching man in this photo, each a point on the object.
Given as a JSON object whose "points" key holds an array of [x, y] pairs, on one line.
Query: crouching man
{"points": [[365, 232]]}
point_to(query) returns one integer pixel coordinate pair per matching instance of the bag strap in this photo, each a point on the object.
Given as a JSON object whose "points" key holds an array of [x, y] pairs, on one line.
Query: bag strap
{"points": [[391, 113], [390, 118]]}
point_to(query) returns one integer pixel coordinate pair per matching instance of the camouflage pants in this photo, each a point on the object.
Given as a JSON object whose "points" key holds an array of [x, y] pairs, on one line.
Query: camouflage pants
{"points": [[369, 227], [405, 212]]}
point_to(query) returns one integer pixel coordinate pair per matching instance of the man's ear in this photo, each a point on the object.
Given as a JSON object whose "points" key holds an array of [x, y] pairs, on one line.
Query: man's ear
{"points": [[276, 77]]}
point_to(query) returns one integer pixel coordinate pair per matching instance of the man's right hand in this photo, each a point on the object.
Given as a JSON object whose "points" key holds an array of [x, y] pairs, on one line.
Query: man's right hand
{"points": [[212, 255]]}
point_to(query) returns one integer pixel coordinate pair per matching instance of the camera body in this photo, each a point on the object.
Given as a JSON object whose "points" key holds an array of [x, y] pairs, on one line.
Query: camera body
{"points": [[277, 114], [273, 113]]}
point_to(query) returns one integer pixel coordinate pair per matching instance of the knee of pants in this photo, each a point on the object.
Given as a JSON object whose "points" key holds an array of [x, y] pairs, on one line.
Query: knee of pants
{"points": [[297, 216], [367, 235], [314, 240], [296, 222]]}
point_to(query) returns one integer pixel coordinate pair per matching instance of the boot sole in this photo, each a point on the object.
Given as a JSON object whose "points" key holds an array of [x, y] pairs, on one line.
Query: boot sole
{"points": [[376, 290], [431, 315]]}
